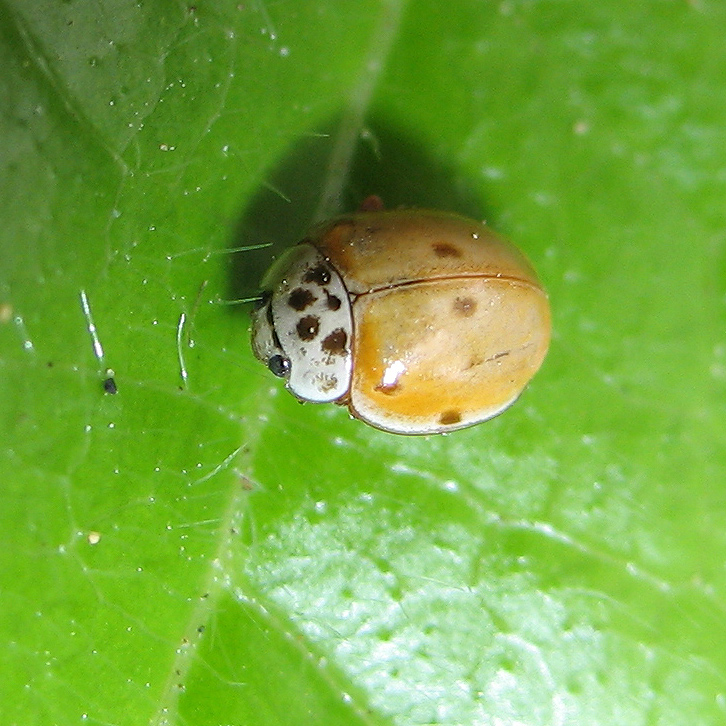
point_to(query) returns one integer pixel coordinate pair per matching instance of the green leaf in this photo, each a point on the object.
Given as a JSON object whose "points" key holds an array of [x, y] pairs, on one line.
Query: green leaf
{"points": [[198, 548]]}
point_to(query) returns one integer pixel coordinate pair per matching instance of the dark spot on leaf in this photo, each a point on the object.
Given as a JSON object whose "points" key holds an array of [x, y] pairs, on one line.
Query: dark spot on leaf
{"points": [[109, 385]]}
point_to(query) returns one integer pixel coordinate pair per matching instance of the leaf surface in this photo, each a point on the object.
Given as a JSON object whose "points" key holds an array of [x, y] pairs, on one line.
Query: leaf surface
{"points": [[198, 548]]}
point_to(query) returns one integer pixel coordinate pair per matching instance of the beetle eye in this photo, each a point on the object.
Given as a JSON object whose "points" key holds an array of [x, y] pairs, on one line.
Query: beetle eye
{"points": [[279, 366]]}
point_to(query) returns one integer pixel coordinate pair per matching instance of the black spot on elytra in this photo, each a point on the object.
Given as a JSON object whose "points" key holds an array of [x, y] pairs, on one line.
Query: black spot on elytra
{"points": [[308, 327], [333, 301], [474, 361], [387, 389], [335, 343], [464, 306], [449, 418], [320, 275], [109, 385], [300, 298], [444, 249]]}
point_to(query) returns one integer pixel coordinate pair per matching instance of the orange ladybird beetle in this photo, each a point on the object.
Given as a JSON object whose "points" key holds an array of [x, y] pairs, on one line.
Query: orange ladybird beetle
{"points": [[421, 322]]}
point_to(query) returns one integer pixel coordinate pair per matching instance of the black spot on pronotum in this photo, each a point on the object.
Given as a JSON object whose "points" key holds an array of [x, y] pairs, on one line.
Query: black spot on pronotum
{"points": [[319, 274], [444, 249], [464, 306], [333, 301], [335, 343], [109, 385], [329, 383], [449, 418], [308, 327], [300, 298], [279, 366]]}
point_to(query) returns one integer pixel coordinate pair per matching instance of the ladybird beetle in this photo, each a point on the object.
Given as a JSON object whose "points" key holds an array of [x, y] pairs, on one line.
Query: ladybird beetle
{"points": [[421, 322]]}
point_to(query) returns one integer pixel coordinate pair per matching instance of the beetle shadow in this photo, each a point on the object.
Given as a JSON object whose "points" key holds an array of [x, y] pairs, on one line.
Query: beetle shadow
{"points": [[388, 161]]}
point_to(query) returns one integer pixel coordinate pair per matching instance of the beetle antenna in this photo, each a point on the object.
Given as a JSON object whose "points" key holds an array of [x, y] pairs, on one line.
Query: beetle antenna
{"points": [[238, 301]]}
